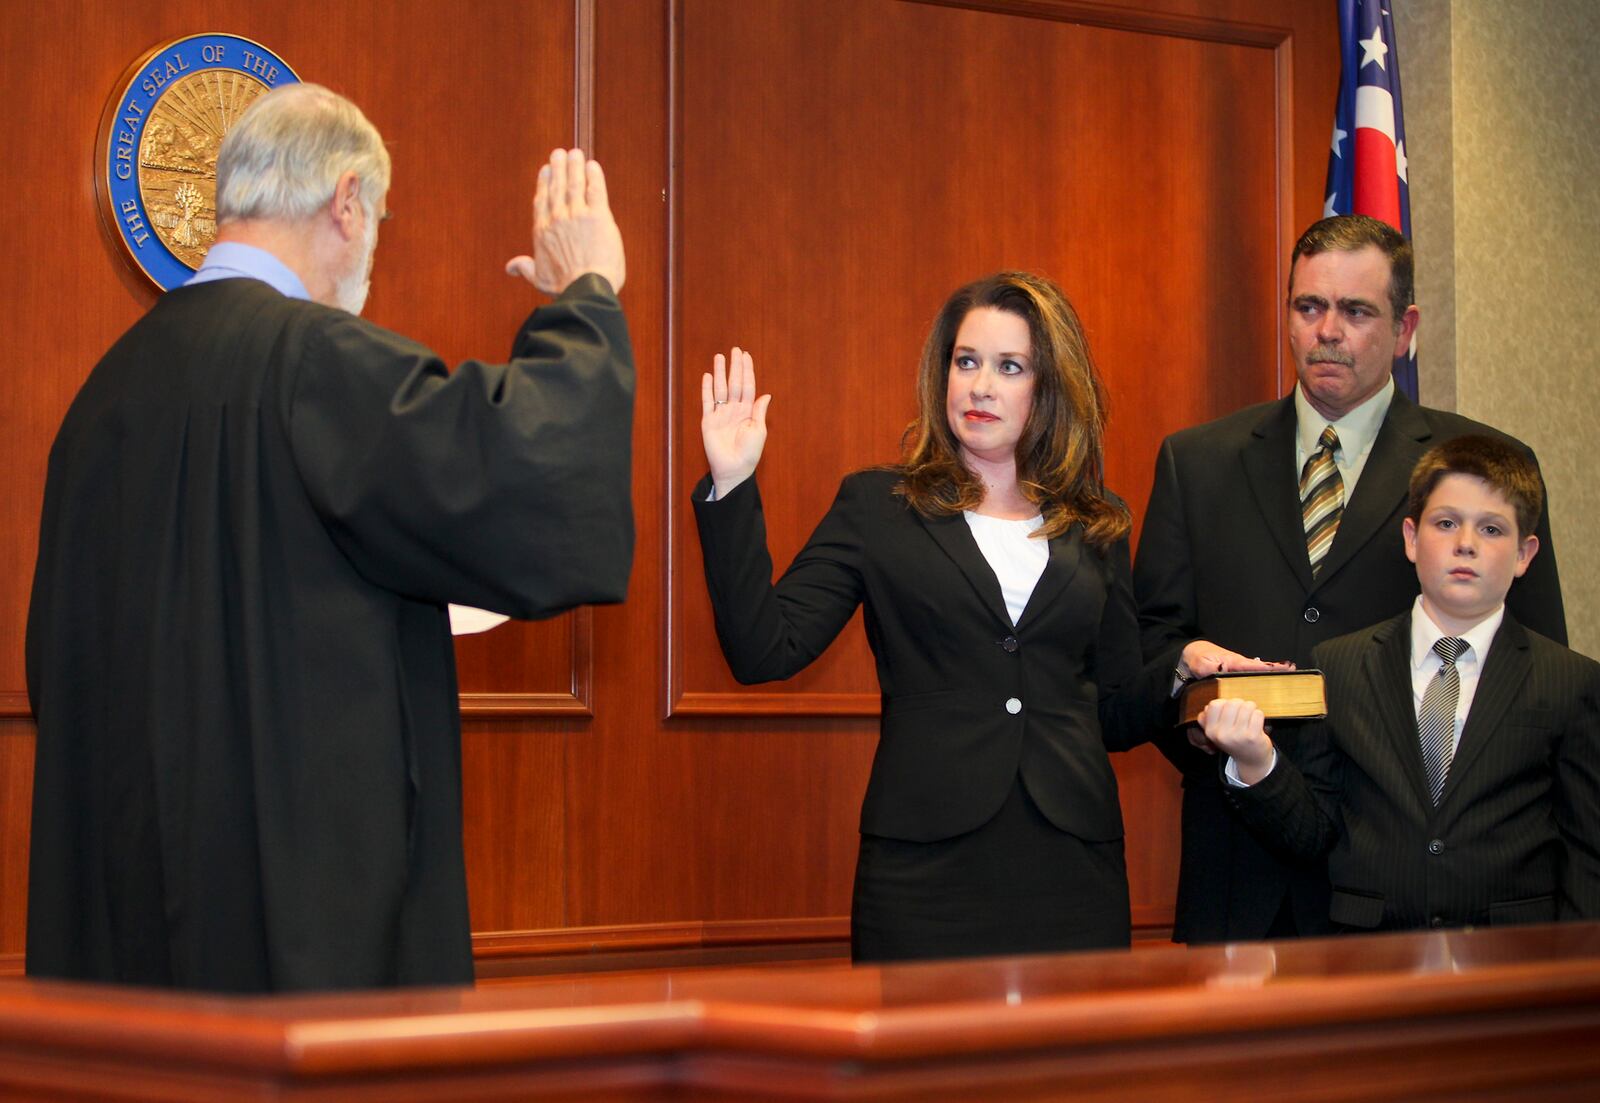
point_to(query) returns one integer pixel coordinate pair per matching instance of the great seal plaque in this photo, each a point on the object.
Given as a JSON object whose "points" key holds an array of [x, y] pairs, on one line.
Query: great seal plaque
{"points": [[157, 149]]}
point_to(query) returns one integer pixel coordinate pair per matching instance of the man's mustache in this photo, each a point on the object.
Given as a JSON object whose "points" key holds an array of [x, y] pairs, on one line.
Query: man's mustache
{"points": [[1330, 356]]}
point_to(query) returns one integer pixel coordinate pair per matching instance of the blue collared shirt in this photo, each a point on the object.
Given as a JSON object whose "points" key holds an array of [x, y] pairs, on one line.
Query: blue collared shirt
{"points": [[231, 260]]}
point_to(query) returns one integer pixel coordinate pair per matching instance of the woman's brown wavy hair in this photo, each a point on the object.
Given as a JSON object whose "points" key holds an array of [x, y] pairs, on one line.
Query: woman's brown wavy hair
{"points": [[1060, 457]]}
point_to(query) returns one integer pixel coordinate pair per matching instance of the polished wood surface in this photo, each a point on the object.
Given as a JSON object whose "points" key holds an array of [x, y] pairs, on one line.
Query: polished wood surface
{"points": [[807, 177], [1507, 1014]]}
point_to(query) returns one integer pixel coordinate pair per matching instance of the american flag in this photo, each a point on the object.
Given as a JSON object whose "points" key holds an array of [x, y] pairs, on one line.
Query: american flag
{"points": [[1367, 166]]}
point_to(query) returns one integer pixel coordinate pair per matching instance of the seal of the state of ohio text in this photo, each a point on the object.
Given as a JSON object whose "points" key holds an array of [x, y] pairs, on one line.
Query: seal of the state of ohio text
{"points": [[157, 150]]}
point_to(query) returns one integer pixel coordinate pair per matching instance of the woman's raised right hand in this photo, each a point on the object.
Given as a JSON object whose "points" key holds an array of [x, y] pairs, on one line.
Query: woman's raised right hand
{"points": [[733, 421]]}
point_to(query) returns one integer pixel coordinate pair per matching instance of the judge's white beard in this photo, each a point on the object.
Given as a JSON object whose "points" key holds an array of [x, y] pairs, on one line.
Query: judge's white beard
{"points": [[351, 288]]}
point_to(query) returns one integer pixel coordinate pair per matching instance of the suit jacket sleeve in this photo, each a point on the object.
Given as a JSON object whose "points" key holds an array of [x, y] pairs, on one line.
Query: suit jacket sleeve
{"points": [[1163, 578], [1163, 575], [1135, 697], [1577, 804], [770, 632], [1294, 811], [505, 487]]}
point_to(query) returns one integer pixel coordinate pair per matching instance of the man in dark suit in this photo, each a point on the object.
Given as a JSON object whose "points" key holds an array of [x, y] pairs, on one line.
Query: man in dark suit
{"points": [[1225, 553], [258, 506], [1457, 776]]}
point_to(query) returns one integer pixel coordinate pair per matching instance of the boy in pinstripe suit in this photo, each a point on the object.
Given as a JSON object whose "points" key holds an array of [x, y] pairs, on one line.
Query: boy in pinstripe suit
{"points": [[1456, 779]]}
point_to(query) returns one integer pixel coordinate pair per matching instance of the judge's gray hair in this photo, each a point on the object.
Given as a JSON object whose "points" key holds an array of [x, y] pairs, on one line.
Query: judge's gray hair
{"points": [[286, 153]]}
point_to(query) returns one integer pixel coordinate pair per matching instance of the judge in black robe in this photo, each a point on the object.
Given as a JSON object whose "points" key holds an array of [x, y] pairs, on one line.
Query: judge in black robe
{"points": [[248, 769]]}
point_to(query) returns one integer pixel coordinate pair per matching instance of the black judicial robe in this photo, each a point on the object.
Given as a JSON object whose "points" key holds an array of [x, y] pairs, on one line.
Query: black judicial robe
{"points": [[248, 768]]}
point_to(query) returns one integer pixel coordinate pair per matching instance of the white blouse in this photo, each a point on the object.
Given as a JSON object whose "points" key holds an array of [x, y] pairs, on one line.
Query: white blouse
{"points": [[1016, 558]]}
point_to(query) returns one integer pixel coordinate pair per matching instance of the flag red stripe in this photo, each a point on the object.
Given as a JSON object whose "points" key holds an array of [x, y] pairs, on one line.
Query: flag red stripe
{"points": [[1377, 190]]}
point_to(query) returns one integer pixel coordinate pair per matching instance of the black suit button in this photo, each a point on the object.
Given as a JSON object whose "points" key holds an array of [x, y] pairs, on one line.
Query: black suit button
{"points": [[1436, 847], [1312, 614], [1009, 643]]}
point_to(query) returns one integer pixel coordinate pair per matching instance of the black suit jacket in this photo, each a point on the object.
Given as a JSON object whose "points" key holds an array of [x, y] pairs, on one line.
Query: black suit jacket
{"points": [[1516, 835], [1223, 557], [950, 663]]}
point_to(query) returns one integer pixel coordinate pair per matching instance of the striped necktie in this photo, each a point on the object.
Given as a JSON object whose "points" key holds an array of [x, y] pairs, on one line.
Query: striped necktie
{"points": [[1436, 719], [1321, 498]]}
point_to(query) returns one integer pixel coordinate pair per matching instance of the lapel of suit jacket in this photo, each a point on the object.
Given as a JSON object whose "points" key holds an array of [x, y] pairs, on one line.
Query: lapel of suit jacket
{"points": [[1384, 482], [1269, 468], [1389, 672], [1066, 553], [954, 536], [1504, 671]]}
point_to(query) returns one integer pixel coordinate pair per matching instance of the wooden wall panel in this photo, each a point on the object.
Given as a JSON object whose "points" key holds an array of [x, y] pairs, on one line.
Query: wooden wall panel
{"points": [[633, 853], [841, 174], [807, 177], [513, 824], [16, 782], [528, 669]]}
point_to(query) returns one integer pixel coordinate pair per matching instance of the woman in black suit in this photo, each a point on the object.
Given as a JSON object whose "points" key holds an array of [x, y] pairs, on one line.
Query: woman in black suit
{"points": [[993, 566]]}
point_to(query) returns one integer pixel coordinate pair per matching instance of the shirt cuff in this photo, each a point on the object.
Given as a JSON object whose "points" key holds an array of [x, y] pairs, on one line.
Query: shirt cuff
{"points": [[1230, 770]]}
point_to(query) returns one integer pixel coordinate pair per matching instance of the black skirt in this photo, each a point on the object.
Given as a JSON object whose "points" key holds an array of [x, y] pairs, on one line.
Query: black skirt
{"points": [[1016, 885]]}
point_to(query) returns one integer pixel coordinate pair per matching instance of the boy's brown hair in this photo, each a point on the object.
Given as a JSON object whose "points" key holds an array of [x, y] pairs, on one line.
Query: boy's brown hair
{"points": [[1497, 462]]}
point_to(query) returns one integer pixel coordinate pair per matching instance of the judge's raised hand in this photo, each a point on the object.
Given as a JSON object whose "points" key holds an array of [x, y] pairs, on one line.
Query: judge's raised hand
{"points": [[733, 421], [573, 231]]}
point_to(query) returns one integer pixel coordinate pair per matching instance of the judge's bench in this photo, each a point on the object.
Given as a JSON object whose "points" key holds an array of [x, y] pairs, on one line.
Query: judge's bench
{"points": [[1509, 1014]]}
